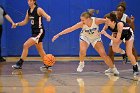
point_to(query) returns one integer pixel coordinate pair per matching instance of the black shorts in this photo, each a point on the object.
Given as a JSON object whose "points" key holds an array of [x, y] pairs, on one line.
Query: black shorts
{"points": [[127, 34], [36, 32]]}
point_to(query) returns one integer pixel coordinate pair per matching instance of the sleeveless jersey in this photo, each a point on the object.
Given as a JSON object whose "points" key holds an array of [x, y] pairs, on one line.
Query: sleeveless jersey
{"points": [[90, 32], [126, 32], [36, 20], [124, 18]]}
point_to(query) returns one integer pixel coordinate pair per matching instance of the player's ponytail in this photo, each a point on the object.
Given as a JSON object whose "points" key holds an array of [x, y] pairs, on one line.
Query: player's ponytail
{"points": [[92, 11], [89, 13], [122, 4]]}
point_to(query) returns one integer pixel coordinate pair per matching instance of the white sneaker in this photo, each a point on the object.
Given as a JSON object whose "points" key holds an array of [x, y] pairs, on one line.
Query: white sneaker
{"points": [[46, 68], [80, 67], [115, 71], [108, 70]]}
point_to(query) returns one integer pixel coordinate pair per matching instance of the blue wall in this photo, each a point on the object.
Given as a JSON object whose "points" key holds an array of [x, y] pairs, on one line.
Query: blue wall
{"points": [[64, 13]]}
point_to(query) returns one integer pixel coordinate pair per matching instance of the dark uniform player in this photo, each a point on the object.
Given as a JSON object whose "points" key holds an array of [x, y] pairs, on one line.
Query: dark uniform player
{"points": [[123, 31], [2, 15], [126, 33], [34, 14], [120, 13], [36, 25]]}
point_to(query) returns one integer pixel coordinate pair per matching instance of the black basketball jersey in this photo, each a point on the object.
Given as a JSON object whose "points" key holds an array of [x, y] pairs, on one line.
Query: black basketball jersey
{"points": [[115, 28], [126, 32], [36, 20]]}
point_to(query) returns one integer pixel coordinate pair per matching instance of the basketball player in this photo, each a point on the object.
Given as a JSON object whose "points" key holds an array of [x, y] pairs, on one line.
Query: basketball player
{"points": [[3, 15], [34, 14], [89, 35], [124, 31], [120, 13]]}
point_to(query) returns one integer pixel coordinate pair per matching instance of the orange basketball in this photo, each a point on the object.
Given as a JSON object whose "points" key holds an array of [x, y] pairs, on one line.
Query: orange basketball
{"points": [[49, 60]]}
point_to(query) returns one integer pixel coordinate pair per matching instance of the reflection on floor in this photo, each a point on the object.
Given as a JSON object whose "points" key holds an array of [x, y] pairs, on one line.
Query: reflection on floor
{"points": [[65, 79]]}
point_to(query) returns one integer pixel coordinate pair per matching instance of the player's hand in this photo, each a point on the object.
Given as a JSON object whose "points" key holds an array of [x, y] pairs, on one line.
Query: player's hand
{"points": [[13, 25], [103, 32], [55, 37], [48, 18], [132, 18]]}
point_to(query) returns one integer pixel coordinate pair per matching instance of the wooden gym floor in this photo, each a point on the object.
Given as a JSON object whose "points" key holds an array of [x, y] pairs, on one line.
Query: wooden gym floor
{"points": [[65, 79]]}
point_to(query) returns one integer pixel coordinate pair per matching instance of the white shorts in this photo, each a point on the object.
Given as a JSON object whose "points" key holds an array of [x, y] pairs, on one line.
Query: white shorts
{"points": [[90, 41]]}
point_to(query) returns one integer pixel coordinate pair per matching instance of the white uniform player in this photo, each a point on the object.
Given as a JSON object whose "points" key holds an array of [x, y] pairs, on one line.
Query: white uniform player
{"points": [[90, 34]]}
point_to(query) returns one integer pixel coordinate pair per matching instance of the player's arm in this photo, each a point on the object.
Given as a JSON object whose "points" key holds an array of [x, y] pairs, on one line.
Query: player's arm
{"points": [[24, 22], [99, 21], [104, 29], [7, 16], [130, 21], [108, 36], [120, 29], [68, 30], [41, 12]]}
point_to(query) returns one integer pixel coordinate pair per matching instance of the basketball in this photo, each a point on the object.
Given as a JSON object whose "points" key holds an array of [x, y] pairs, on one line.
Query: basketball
{"points": [[49, 60]]}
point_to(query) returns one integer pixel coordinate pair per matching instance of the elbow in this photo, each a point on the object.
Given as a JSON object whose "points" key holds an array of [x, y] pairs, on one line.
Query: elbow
{"points": [[24, 23]]}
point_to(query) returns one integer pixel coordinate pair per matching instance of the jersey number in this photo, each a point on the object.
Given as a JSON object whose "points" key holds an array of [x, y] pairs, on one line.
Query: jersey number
{"points": [[91, 31], [32, 22]]}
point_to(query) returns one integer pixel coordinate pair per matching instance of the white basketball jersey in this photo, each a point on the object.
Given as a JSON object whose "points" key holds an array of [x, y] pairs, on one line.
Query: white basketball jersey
{"points": [[91, 32], [124, 18]]}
